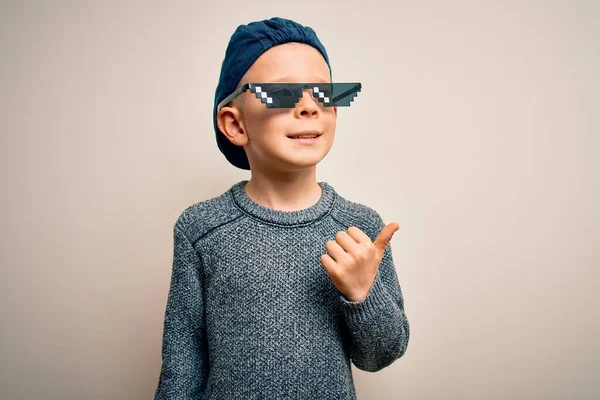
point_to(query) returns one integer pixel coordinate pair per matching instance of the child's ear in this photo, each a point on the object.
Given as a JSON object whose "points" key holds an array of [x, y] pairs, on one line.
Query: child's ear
{"points": [[230, 124]]}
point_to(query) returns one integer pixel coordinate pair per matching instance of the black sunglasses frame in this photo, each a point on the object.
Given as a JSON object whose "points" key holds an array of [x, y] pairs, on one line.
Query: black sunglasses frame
{"points": [[349, 91]]}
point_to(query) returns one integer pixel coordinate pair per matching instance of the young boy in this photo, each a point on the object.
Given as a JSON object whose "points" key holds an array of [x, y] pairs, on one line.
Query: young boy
{"points": [[279, 282]]}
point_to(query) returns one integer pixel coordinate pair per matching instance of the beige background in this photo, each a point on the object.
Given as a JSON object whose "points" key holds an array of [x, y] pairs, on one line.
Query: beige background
{"points": [[476, 130]]}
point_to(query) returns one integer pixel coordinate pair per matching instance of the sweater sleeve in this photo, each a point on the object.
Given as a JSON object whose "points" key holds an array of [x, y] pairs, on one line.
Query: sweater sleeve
{"points": [[377, 326], [184, 369]]}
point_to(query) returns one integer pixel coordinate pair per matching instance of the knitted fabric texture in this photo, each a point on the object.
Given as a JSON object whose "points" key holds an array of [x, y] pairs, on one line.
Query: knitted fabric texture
{"points": [[252, 314]]}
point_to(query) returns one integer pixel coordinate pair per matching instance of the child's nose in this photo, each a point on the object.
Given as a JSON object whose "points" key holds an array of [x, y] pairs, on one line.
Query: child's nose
{"points": [[307, 104]]}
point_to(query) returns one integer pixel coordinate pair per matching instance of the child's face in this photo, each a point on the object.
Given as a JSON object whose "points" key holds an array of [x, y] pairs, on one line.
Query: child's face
{"points": [[263, 131]]}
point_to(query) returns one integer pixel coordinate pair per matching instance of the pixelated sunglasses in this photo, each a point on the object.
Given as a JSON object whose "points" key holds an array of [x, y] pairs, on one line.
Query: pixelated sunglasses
{"points": [[286, 95]]}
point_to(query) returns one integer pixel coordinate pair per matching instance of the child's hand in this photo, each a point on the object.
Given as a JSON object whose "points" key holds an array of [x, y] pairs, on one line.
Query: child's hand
{"points": [[352, 260]]}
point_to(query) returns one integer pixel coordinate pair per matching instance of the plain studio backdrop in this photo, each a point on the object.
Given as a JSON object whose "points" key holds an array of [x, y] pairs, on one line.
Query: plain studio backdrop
{"points": [[476, 130]]}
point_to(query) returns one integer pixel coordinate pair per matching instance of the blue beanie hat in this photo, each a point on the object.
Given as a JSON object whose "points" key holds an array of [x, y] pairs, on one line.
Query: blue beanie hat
{"points": [[246, 44]]}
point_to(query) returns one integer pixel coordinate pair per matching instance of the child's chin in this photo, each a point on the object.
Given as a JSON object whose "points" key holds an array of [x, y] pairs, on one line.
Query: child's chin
{"points": [[306, 161]]}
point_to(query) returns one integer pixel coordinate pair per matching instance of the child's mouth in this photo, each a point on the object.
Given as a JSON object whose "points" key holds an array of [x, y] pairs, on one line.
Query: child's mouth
{"points": [[306, 140]]}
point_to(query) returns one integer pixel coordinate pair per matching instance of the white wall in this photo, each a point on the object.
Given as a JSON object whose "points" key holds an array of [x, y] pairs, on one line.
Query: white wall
{"points": [[476, 130]]}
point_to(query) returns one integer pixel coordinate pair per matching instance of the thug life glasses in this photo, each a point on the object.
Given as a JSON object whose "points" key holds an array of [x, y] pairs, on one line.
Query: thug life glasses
{"points": [[286, 95]]}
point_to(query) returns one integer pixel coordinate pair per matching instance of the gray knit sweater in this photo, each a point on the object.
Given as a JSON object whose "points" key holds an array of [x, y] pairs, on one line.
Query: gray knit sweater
{"points": [[252, 314]]}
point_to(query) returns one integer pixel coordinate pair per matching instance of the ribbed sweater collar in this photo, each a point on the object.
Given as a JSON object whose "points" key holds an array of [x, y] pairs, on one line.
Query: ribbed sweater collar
{"points": [[304, 216]]}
